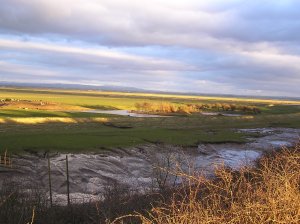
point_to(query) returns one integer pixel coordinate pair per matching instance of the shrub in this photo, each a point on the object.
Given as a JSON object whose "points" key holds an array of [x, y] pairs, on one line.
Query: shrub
{"points": [[166, 107], [269, 193]]}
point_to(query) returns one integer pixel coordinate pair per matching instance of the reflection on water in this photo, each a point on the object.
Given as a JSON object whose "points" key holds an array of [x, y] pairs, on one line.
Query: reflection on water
{"points": [[236, 159], [220, 114]]}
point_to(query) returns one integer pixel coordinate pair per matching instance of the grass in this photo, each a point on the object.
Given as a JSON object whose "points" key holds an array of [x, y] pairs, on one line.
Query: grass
{"points": [[79, 131], [117, 100], [4, 113], [92, 136], [268, 193], [78, 99], [281, 109], [165, 97]]}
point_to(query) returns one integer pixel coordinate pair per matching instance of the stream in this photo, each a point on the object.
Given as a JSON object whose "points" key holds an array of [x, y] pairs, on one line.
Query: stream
{"points": [[133, 114], [123, 113]]}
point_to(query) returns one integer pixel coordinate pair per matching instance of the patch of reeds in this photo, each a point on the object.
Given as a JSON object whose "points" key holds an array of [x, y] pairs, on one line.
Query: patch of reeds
{"points": [[166, 107], [268, 193]]}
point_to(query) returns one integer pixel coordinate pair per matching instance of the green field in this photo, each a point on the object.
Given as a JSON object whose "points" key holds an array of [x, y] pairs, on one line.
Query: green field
{"points": [[82, 131]]}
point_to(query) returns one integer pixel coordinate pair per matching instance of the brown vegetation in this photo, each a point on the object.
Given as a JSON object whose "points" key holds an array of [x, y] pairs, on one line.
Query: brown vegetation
{"points": [[10, 103], [45, 120], [166, 107], [229, 107], [269, 193]]}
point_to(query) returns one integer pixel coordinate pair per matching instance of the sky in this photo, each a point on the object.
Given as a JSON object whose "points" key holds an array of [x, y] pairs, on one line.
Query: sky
{"points": [[214, 47]]}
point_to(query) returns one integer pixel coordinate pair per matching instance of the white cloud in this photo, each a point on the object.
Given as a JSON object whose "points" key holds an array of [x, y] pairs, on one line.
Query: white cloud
{"points": [[231, 46]]}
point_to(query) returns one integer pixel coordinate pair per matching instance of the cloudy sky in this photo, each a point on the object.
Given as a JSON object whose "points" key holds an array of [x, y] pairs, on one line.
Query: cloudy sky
{"points": [[216, 46]]}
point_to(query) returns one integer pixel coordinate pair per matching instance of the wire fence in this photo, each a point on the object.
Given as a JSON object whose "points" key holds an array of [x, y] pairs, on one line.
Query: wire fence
{"points": [[5, 160], [11, 164]]}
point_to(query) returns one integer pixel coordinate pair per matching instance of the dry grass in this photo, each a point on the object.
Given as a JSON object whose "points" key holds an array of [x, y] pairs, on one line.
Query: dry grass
{"points": [[269, 193], [44, 120], [37, 105], [166, 107]]}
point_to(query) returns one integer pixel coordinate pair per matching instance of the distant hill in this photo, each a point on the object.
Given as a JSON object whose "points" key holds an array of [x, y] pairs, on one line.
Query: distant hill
{"points": [[72, 86], [128, 89]]}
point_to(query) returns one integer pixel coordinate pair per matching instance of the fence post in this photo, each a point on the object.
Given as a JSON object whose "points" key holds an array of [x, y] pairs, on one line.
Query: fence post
{"points": [[5, 157], [68, 184], [49, 174]]}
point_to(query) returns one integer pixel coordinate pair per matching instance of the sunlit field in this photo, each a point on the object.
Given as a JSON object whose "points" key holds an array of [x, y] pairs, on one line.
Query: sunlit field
{"points": [[49, 119]]}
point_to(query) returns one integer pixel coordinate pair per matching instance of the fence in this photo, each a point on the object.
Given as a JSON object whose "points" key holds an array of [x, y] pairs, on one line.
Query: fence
{"points": [[5, 160], [50, 182]]}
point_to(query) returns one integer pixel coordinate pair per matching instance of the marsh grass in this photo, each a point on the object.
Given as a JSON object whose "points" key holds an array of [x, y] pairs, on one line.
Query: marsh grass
{"points": [[269, 193], [39, 126]]}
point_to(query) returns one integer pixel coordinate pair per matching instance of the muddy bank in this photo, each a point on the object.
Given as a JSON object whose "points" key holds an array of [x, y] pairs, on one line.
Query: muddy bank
{"points": [[135, 168]]}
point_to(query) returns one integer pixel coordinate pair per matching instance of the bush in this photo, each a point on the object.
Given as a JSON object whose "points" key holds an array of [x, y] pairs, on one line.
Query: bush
{"points": [[269, 193], [166, 108]]}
